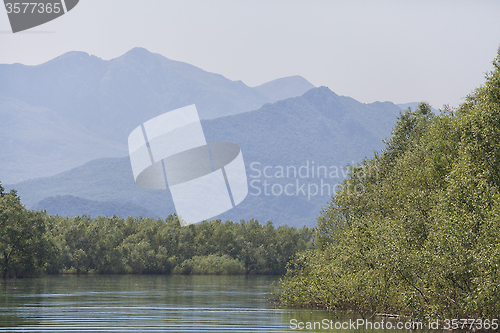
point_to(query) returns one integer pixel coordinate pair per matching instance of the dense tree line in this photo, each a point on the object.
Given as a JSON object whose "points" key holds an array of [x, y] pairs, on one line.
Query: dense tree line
{"points": [[415, 230], [32, 243]]}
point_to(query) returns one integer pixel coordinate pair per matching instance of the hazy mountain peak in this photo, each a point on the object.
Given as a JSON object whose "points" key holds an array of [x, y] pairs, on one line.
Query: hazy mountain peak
{"points": [[140, 60], [72, 57], [323, 90], [321, 94], [284, 87], [137, 51], [140, 53]]}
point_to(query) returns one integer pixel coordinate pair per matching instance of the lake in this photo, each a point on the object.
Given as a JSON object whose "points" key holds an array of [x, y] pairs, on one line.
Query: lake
{"points": [[159, 303]]}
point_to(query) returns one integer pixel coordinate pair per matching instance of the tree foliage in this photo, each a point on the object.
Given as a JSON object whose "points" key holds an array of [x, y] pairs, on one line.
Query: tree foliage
{"points": [[34, 242], [25, 245], [156, 246], [422, 237]]}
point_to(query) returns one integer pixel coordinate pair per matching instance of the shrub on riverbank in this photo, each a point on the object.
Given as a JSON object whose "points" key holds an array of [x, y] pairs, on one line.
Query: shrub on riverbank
{"points": [[416, 229], [210, 265]]}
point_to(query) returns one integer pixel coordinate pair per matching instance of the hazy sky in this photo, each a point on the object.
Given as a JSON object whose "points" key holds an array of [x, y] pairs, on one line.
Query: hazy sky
{"points": [[401, 51]]}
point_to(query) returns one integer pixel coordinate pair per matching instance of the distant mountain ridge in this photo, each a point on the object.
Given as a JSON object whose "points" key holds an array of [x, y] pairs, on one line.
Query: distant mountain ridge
{"points": [[89, 100], [68, 205], [319, 127]]}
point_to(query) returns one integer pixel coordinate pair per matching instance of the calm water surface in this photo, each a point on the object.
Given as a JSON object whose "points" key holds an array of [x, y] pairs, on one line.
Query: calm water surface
{"points": [[142, 303]]}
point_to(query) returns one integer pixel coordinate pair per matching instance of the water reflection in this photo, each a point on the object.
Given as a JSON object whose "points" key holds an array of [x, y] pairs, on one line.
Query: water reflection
{"points": [[141, 303]]}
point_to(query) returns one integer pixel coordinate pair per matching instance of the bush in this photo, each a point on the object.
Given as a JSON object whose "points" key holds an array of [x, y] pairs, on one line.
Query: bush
{"points": [[210, 265]]}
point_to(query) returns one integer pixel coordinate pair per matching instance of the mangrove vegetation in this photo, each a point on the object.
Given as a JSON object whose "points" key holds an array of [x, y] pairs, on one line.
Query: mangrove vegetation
{"points": [[415, 230]]}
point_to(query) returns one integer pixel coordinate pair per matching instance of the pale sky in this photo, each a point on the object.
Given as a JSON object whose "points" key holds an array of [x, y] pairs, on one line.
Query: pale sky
{"points": [[399, 51]]}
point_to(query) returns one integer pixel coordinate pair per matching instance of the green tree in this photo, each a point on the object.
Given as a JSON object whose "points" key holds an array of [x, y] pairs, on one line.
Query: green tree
{"points": [[25, 245]]}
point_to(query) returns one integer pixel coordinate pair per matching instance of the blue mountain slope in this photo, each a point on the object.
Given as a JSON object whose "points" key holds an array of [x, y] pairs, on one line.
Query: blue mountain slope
{"points": [[318, 128]]}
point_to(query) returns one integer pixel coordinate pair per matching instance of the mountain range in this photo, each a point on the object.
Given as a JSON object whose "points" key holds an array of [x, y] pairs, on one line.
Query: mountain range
{"points": [[78, 107], [65, 123]]}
